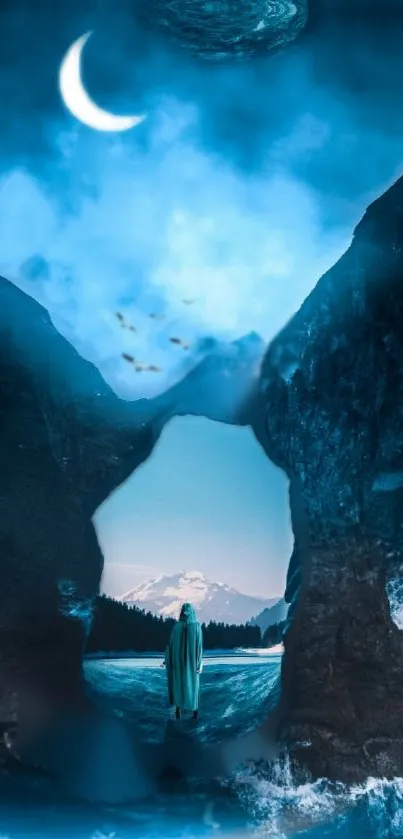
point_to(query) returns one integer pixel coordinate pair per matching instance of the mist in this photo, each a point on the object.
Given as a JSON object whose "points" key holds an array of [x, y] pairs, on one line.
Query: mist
{"points": [[242, 186]]}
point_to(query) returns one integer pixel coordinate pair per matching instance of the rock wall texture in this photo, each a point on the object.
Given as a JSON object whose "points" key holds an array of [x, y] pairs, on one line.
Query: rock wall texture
{"points": [[66, 442], [326, 405], [330, 413]]}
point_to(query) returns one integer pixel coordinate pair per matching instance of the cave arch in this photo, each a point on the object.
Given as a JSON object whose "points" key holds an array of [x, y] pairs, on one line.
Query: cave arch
{"points": [[214, 483], [326, 405], [229, 511]]}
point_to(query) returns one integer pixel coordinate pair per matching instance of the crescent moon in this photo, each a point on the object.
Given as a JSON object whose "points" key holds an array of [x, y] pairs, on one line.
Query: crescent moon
{"points": [[77, 100]]}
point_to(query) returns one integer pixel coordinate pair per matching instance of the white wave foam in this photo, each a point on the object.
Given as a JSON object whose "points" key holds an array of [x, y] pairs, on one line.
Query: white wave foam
{"points": [[279, 807], [394, 591]]}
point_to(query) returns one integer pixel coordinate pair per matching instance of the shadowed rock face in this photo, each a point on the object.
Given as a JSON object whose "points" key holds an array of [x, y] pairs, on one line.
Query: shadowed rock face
{"points": [[327, 408], [330, 413], [67, 442]]}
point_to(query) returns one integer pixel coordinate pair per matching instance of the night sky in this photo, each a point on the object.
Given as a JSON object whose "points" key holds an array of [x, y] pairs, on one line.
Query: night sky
{"points": [[242, 186]]}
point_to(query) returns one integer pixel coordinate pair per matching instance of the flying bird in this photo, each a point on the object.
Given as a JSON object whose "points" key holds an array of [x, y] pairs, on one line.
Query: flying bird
{"points": [[184, 344], [76, 98], [151, 368], [125, 323], [128, 358], [188, 302], [157, 317], [146, 368]]}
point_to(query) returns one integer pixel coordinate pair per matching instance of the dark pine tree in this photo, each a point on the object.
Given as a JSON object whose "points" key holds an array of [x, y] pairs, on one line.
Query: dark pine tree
{"points": [[119, 628], [274, 634]]}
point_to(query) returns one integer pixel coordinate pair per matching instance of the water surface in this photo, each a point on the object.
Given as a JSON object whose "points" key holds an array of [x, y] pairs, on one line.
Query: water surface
{"points": [[258, 801]]}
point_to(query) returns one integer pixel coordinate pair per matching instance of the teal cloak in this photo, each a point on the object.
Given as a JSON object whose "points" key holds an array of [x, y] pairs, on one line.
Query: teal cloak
{"points": [[183, 660]]}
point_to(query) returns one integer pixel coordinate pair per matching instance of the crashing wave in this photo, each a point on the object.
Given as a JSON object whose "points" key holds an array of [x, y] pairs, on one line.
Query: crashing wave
{"points": [[394, 591], [280, 808]]}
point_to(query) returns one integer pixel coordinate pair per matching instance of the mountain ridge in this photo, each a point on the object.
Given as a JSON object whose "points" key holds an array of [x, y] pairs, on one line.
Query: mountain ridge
{"points": [[270, 615], [213, 601]]}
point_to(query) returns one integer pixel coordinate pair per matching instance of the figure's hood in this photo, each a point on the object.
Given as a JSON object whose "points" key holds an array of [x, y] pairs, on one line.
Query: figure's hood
{"points": [[188, 614]]}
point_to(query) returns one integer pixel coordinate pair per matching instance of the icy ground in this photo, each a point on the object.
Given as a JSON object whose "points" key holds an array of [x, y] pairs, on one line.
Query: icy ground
{"points": [[235, 694]]}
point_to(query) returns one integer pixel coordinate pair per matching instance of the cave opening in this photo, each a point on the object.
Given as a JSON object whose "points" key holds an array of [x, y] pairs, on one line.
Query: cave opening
{"points": [[209, 503]]}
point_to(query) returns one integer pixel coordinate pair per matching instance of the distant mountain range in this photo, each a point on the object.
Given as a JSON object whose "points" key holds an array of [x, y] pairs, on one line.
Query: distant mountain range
{"points": [[218, 602], [272, 614]]}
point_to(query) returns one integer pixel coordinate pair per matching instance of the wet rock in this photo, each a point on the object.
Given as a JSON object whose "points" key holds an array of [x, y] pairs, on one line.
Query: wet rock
{"points": [[335, 425], [67, 443]]}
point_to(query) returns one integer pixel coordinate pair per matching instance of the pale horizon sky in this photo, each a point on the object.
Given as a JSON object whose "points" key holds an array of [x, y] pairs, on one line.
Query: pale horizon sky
{"points": [[208, 499]]}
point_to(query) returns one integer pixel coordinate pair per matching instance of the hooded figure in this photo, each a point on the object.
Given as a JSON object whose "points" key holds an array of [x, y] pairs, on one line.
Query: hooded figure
{"points": [[183, 661]]}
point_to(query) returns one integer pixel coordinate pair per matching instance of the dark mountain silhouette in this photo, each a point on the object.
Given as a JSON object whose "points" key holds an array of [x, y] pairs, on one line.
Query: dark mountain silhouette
{"points": [[272, 615], [274, 634]]}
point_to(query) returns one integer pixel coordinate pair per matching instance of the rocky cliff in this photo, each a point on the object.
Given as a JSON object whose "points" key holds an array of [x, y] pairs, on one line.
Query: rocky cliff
{"points": [[330, 413], [327, 408], [66, 442]]}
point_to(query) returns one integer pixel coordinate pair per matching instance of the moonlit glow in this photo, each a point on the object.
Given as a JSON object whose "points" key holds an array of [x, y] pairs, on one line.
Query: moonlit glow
{"points": [[77, 100]]}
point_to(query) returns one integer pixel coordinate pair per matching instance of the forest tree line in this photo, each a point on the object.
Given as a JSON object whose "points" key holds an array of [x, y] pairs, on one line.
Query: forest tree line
{"points": [[117, 627], [274, 634]]}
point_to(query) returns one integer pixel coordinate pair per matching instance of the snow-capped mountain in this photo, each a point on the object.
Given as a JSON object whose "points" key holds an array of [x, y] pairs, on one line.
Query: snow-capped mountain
{"points": [[164, 596]]}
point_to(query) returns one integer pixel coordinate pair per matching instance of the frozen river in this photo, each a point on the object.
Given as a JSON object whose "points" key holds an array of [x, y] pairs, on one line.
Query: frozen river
{"points": [[236, 693]]}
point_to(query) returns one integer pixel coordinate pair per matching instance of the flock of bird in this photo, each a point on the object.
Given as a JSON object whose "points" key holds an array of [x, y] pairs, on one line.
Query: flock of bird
{"points": [[140, 366]]}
